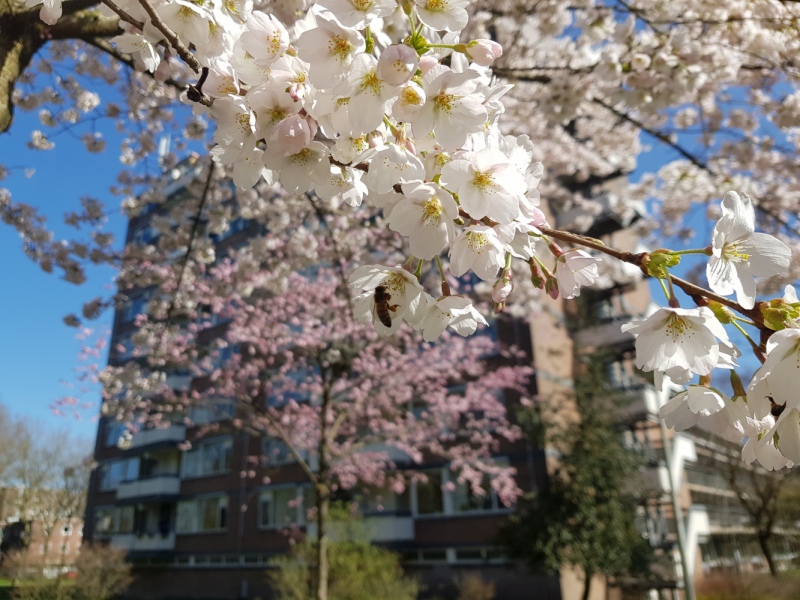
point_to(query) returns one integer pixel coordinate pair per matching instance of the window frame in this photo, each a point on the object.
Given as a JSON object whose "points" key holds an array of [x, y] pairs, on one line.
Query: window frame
{"points": [[201, 447]]}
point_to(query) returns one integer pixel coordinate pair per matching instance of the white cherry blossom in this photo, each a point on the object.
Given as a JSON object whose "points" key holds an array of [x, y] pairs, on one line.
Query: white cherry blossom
{"points": [[397, 64], [359, 14], [236, 120], [787, 429], [425, 215], [779, 376], [767, 454], [452, 110], [575, 269], [301, 170], [455, 312], [739, 252], [410, 100], [406, 296], [329, 49], [487, 185], [392, 164], [266, 39], [139, 44], [345, 183], [678, 341], [477, 248], [450, 15], [368, 93]]}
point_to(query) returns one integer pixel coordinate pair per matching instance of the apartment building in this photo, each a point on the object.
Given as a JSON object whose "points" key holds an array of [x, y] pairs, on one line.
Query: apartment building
{"points": [[195, 528], [717, 530]]}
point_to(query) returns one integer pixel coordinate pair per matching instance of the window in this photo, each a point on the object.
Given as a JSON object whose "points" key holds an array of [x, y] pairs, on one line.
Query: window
{"points": [[112, 474], [145, 235], [41, 548], [466, 500], [430, 498], [383, 500], [206, 514], [283, 506], [210, 458], [124, 347], [66, 530], [115, 431], [212, 411], [234, 227], [65, 548], [276, 453], [134, 307], [111, 520]]}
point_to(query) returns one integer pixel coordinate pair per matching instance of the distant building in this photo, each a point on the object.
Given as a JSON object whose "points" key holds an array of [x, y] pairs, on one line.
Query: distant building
{"points": [[52, 544]]}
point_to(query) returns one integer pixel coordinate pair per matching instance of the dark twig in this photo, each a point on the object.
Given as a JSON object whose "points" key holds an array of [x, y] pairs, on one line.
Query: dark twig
{"points": [[124, 15], [171, 36]]}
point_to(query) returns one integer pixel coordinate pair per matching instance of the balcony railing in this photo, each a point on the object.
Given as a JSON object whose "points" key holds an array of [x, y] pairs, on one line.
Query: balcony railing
{"points": [[133, 543], [605, 334], [160, 485], [148, 437]]}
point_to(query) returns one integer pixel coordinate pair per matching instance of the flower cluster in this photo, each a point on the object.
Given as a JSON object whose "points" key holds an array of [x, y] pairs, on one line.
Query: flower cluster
{"points": [[382, 103], [682, 343]]}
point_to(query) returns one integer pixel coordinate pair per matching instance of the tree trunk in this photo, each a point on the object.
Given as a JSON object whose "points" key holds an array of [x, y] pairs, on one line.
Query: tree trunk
{"points": [[587, 586], [322, 493], [323, 508], [15, 55], [767, 551]]}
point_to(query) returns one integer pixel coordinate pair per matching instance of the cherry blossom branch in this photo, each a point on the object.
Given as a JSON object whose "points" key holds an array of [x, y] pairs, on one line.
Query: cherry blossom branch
{"points": [[124, 15], [656, 134], [128, 61], [699, 295], [286, 440], [186, 55]]}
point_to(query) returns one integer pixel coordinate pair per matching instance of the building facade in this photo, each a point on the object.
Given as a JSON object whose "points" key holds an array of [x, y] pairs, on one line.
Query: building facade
{"points": [[195, 528]]}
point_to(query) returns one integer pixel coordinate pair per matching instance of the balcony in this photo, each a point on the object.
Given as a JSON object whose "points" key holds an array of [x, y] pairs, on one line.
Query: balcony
{"points": [[148, 437], [144, 543], [389, 528], [610, 213], [160, 485], [605, 334]]}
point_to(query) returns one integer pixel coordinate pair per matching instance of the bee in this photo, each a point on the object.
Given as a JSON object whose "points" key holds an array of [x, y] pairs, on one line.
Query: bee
{"points": [[382, 306]]}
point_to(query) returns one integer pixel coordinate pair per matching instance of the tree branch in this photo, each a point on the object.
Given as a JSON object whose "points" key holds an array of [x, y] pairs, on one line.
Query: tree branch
{"points": [[656, 134], [127, 60], [124, 15], [171, 36]]}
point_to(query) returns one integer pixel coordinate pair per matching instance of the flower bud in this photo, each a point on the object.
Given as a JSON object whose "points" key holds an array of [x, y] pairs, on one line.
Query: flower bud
{"points": [[724, 315], [426, 63], [658, 262], [297, 91], [551, 287], [484, 52], [537, 277], [292, 134], [397, 64], [501, 289]]}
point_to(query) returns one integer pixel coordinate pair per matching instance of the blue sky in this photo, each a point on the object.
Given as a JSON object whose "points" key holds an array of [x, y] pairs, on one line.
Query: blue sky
{"points": [[38, 350]]}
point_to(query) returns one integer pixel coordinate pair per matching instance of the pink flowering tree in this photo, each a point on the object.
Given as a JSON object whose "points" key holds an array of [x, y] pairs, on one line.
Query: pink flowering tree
{"points": [[352, 406]]}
